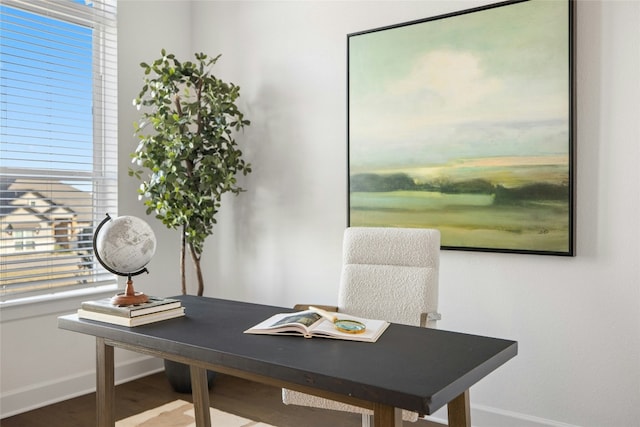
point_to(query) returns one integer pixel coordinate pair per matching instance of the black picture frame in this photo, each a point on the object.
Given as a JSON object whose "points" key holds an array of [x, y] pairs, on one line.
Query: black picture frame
{"points": [[465, 122]]}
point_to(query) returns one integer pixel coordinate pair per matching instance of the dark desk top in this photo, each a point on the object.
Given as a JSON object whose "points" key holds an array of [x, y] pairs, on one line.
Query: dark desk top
{"points": [[413, 368]]}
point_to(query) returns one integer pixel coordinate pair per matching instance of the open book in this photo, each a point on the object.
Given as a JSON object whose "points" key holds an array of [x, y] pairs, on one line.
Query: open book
{"points": [[310, 323]]}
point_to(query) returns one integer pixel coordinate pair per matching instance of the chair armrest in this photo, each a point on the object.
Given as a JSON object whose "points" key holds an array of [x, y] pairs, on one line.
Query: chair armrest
{"points": [[429, 319], [301, 307]]}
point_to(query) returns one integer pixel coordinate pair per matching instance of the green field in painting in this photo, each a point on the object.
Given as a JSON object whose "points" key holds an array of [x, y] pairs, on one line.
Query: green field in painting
{"points": [[467, 220]]}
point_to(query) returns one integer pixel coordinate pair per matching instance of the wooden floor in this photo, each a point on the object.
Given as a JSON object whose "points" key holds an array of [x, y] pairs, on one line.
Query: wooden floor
{"points": [[237, 396]]}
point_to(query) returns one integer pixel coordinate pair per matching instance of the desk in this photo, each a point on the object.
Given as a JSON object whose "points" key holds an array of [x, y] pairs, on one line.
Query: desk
{"points": [[411, 368]]}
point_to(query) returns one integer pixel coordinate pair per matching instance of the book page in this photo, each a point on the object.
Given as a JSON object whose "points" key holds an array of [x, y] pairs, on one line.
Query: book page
{"points": [[374, 328], [304, 318], [284, 323]]}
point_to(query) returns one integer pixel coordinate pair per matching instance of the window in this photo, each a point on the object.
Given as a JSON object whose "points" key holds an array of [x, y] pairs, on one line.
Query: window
{"points": [[58, 142], [24, 241]]}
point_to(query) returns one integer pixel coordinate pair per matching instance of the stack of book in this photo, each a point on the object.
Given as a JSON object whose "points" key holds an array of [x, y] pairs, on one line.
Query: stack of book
{"points": [[154, 310]]}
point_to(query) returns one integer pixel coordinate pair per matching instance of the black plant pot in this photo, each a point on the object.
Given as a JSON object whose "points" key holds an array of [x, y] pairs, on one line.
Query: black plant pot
{"points": [[179, 376]]}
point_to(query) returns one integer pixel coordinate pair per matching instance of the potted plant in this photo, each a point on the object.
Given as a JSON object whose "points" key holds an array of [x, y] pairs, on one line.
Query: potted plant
{"points": [[187, 147]]}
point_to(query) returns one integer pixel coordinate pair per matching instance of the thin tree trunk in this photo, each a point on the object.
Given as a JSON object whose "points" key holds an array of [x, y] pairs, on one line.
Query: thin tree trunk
{"points": [[196, 262], [183, 251]]}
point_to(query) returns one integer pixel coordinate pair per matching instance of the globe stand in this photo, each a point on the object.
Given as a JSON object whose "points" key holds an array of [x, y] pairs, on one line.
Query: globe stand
{"points": [[129, 296]]}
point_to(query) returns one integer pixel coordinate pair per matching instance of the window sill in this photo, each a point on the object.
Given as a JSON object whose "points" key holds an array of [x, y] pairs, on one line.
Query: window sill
{"points": [[58, 303]]}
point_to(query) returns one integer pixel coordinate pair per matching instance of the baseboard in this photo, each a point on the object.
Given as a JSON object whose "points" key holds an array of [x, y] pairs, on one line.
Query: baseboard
{"points": [[485, 416], [48, 392]]}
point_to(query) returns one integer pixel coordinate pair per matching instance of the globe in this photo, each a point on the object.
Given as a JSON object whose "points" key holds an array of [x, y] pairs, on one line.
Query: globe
{"points": [[126, 244]]}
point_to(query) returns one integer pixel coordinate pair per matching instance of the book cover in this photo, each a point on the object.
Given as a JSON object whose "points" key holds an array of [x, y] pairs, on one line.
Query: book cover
{"points": [[310, 323], [131, 321], [154, 305]]}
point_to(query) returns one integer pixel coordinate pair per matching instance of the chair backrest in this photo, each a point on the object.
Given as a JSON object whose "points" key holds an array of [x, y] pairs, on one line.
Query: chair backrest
{"points": [[390, 274]]}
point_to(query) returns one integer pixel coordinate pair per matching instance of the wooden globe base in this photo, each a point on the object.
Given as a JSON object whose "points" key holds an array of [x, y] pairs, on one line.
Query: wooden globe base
{"points": [[130, 296]]}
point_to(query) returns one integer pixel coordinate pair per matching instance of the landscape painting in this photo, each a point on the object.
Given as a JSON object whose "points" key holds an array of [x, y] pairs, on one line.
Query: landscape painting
{"points": [[464, 123]]}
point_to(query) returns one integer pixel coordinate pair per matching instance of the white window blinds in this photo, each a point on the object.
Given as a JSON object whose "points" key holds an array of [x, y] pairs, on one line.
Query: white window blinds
{"points": [[58, 142]]}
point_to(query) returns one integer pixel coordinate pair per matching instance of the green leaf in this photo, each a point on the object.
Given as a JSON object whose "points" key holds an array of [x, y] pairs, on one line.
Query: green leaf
{"points": [[186, 143]]}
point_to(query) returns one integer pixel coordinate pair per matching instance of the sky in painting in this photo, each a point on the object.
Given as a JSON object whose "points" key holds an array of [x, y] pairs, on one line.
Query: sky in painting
{"points": [[484, 85]]}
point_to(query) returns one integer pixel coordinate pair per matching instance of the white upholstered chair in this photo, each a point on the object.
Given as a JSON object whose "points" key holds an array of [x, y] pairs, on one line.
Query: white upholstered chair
{"points": [[389, 274]]}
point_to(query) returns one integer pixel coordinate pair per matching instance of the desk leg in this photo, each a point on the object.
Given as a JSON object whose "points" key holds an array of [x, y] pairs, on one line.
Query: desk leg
{"points": [[459, 411], [386, 416], [200, 392], [105, 385]]}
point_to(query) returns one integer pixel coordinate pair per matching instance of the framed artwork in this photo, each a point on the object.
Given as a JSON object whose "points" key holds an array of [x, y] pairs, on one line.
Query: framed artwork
{"points": [[465, 123]]}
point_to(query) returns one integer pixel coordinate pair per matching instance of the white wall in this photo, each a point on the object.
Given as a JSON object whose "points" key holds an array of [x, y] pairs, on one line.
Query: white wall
{"points": [[577, 320], [144, 29]]}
